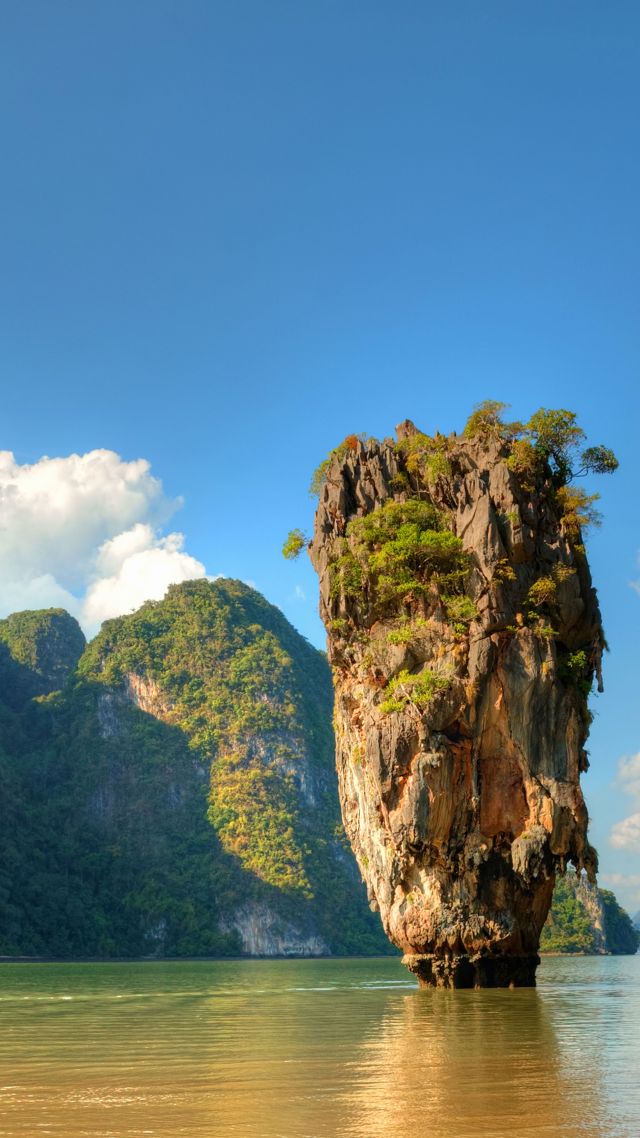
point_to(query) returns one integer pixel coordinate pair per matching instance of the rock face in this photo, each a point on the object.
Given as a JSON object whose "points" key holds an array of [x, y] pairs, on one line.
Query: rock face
{"points": [[263, 932], [588, 895], [464, 635]]}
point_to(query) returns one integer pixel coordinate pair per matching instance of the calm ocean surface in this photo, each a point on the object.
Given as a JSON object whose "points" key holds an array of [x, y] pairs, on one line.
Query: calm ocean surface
{"points": [[316, 1049]]}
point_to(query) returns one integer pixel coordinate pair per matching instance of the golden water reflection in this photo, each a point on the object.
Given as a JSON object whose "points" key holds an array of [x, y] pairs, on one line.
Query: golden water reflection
{"points": [[316, 1049]]}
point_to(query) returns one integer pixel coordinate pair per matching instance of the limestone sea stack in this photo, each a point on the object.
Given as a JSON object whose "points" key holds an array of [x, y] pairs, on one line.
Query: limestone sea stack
{"points": [[464, 635]]}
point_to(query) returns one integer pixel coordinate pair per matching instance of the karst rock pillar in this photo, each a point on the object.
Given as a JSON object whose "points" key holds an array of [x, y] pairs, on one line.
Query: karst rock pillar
{"points": [[464, 634]]}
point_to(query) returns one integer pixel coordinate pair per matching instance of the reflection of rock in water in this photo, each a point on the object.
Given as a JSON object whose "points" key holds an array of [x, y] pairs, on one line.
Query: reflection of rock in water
{"points": [[480, 1065]]}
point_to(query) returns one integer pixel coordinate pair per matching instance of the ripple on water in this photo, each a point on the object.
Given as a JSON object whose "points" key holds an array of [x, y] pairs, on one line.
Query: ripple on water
{"points": [[316, 1049]]}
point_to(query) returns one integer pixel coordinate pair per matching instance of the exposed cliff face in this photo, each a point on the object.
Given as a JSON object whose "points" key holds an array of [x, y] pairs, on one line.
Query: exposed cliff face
{"points": [[263, 932], [464, 633], [588, 895]]}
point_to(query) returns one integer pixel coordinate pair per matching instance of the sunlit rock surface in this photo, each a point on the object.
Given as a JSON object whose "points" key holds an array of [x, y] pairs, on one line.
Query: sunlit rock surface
{"points": [[461, 805]]}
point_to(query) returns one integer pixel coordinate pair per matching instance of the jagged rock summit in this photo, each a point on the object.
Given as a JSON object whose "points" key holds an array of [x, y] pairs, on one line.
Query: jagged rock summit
{"points": [[464, 635]]}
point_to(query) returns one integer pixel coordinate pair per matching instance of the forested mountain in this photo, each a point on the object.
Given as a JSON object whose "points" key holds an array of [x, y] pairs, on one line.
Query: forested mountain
{"points": [[38, 652], [169, 789], [176, 794], [586, 919]]}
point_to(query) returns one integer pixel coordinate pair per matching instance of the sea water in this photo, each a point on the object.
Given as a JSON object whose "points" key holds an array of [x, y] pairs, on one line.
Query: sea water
{"points": [[316, 1049]]}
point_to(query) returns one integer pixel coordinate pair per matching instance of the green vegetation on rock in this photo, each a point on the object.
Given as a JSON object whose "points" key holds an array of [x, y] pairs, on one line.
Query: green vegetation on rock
{"points": [[548, 441], [584, 919], [547, 446], [401, 550], [294, 544], [569, 927], [417, 688], [621, 936]]}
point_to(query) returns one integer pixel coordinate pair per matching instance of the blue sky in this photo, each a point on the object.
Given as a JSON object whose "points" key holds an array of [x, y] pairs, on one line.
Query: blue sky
{"points": [[233, 233]]}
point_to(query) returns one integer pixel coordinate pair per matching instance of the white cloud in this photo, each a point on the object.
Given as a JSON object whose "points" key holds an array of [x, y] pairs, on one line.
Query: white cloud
{"points": [[629, 775], [626, 886], [626, 833], [85, 532], [142, 567], [36, 593]]}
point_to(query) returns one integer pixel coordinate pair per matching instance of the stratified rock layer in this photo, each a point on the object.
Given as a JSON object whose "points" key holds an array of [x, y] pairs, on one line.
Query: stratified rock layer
{"points": [[460, 807]]}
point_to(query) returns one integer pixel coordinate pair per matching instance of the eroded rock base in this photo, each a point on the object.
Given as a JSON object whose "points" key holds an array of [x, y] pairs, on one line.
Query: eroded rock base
{"points": [[462, 971]]}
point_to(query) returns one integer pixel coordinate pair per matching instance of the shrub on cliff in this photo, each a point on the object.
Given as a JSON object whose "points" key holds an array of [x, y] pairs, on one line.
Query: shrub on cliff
{"points": [[401, 549]]}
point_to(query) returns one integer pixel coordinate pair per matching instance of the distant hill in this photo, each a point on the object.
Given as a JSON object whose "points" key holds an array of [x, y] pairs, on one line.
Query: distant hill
{"points": [[170, 789], [38, 651], [585, 919]]}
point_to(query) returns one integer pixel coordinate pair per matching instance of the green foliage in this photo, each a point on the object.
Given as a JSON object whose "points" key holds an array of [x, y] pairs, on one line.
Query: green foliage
{"points": [[124, 832], [417, 688], [397, 551], [346, 574], [44, 645], [104, 839], [547, 444], [542, 592], [575, 670], [555, 435], [598, 460], [542, 628], [504, 571], [383, 524], [577, 510], [543, 596], [339, 625], [525, 462], [254, 810], [570, 926], [622, 938], [437, 465], [461, 611], [550, 442], [486, 421], [407, 631], [426, 455], [229, 681], [294, 544]]}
